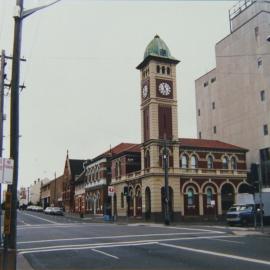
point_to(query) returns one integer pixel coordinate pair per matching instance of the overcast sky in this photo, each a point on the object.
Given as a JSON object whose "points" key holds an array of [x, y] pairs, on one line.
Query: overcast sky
{"points": [[83, 89]]}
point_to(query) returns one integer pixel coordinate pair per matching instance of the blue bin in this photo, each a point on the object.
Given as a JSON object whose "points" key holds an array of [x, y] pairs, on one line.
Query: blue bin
{"points": [[107, 218]]}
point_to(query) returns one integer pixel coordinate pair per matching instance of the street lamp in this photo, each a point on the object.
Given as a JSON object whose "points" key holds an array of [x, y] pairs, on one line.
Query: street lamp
{"points": [[165, 157], [10, 239]]}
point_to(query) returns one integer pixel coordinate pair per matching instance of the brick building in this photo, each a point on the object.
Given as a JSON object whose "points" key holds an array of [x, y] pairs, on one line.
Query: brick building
{"points": [[204, 176]]}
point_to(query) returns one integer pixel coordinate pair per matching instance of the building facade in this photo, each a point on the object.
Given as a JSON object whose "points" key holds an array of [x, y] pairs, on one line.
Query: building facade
{"points": [[91, 187], [192, 185], [34, 192], [73, 168], [233, 99]]}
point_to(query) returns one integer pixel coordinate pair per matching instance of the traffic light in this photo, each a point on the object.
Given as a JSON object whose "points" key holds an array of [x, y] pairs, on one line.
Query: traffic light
{"points": [[254, 177]]}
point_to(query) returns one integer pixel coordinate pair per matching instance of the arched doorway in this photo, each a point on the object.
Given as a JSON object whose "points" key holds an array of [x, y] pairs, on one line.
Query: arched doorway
{"points": [[147, 203], [138, 201], [227, 197], [170, 203], [130, 201], [245, 188]]}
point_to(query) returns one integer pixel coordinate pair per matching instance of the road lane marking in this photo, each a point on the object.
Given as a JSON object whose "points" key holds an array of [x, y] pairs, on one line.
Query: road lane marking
{"points": [[229, 241], [88, 247], [76, 246], [180, 228], [24, 223], [107, 237], [105, 253], [41, 218], [230, 256]]}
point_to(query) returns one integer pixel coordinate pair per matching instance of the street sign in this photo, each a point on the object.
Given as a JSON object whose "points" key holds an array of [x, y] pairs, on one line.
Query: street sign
{"points": [[213, 202], [111, 191], [6, 170], [7, 213]]}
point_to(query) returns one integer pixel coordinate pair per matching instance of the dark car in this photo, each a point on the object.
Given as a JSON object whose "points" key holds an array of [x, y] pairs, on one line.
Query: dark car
{"points": [[242, 214]]}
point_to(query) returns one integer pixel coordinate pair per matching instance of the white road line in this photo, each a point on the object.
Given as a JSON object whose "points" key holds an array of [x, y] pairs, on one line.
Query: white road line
{"points": [[229, 241], [45, 225], [88, 247], [74, 247], [41, 218], [107, 237], [182, 228], [24, 223], [230, 256], [105, 253]]}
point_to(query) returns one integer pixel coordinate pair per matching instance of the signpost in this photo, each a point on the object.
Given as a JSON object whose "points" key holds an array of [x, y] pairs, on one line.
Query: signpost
{"points": [[7, 213], [111, 191], [6, 170]]}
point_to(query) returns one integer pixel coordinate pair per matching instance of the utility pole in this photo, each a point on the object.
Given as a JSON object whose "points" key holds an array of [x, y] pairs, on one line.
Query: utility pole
{"points": [[10, 239], [166, 186], [9, 260], [260, 195], [55, 189], [2, 89]]}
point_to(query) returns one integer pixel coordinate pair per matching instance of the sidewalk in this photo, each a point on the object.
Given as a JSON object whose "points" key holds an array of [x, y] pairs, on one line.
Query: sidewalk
{"points": [[22, 263]]}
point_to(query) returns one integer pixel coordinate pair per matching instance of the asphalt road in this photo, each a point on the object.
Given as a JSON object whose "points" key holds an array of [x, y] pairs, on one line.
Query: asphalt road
{"points": [[55, 243]]}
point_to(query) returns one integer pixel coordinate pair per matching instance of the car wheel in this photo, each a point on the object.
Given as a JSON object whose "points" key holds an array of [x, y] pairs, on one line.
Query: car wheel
{"points": [[244, 222]]}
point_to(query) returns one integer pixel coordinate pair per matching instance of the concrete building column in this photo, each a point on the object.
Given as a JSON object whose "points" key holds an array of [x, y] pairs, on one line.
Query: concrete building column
{"points": [[201, 204], [219, 203]]}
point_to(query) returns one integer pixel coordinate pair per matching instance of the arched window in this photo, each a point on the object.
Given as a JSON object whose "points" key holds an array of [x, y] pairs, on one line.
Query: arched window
{"points": [[210, 162], [118, 168], [233, 163], [194, 162], [168, 71], [225, 164], [96, 173], [158, 69], [163, 70], [147, 160], [92, 174], [184, 161], [122, 200], [209, 196], [190, 196]]}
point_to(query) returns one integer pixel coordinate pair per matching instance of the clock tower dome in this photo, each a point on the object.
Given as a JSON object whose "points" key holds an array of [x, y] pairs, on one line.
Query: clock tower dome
{"points": [[158, 104]]}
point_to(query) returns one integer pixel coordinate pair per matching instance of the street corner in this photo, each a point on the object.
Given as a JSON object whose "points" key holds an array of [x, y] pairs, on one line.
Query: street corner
{"points": [[22, 263]]}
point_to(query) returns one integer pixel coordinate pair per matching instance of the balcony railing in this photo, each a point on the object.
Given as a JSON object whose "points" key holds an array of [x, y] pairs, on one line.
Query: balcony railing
{"points": [[182, 171]]}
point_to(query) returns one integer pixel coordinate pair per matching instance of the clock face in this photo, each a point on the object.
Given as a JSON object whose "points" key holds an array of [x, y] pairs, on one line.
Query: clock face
{"points": [[164, 89], [145, 91]]}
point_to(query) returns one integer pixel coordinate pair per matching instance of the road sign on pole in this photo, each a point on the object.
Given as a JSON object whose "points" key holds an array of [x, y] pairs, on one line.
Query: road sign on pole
{"points": [[111, 191], [6, 170]]}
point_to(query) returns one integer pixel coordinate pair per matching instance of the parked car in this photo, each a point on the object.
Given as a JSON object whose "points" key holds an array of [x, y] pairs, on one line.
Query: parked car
{"points": [[48, 210], [243, 214], [37, 208], [54, 211], [57, 211]]}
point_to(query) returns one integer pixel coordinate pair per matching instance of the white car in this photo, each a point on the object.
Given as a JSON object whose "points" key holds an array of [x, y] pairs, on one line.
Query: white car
{"points": [[48, 210]]}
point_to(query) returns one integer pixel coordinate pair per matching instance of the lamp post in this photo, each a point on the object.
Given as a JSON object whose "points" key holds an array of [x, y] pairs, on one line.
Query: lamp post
{"points": [[166, 186], [260, 195], [10, 239]]}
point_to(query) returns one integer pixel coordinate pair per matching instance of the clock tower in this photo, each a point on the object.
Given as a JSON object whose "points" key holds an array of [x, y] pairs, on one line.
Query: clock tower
{"points": [[158, 105]]}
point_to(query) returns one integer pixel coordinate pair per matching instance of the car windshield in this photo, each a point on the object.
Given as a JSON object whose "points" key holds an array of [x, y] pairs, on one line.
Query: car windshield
{"points": [[240, 208]]}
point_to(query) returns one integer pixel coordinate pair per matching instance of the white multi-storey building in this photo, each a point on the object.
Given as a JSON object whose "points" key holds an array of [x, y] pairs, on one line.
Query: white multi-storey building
{"points": [[233, 99]]}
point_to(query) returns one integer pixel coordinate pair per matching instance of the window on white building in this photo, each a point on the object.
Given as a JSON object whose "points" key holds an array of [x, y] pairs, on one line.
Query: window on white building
{"points": [[262, 94], [265, 130]]}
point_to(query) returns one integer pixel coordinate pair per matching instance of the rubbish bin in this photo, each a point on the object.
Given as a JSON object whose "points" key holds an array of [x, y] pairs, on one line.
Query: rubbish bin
{"points": [[107, 218]]}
